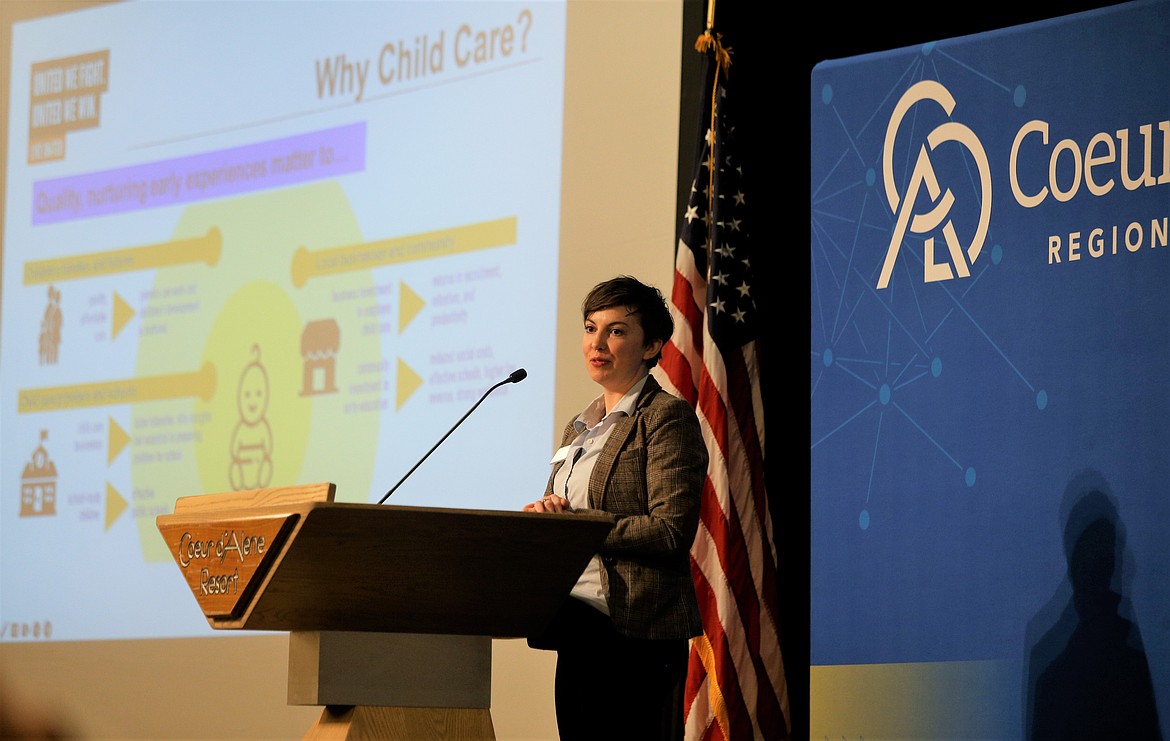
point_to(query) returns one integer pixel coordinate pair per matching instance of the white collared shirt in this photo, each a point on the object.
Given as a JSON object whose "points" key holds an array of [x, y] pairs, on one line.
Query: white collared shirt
{"points": [[593, 427]]}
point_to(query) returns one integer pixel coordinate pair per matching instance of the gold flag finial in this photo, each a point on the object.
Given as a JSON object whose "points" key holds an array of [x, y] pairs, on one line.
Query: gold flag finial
{"points": [[713, 42], [709, 40]]}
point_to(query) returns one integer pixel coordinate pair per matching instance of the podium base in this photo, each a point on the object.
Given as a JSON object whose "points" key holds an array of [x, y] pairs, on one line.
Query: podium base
{"points": [[372, 723]]}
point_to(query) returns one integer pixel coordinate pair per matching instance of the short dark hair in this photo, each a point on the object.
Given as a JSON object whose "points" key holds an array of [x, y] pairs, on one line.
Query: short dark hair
{"points": [[641, 299]]}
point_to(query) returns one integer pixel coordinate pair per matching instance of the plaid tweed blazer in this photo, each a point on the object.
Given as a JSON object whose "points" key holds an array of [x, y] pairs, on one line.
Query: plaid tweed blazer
{"points": [[649, 478]]}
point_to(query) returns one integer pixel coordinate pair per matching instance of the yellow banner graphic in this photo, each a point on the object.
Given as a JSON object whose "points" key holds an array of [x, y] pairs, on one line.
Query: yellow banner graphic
{"points": [[200, 383], [206, 248], [365, 255]]}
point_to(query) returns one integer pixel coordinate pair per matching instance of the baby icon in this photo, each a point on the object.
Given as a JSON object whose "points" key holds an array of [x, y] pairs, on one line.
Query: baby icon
{"points": [[251, 446]]}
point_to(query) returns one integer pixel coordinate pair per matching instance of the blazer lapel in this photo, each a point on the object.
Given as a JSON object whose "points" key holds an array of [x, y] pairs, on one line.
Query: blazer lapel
{"points": [[607, 458]]}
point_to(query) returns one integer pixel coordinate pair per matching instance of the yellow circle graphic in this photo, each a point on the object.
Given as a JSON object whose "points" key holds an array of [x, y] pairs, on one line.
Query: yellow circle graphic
{"points": [[256, 428], [289, 387]]}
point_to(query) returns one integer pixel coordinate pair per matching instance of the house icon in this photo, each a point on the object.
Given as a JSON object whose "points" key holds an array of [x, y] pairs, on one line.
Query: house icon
{"points": [[320, 342], [38, 483]]}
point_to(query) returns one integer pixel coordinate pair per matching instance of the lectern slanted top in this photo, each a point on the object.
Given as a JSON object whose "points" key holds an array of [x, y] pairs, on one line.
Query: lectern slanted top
{"points": [[325, 565]]}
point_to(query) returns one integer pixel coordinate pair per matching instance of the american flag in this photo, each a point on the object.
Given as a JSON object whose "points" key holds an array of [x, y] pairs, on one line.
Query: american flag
{"points": [[736, 688]]}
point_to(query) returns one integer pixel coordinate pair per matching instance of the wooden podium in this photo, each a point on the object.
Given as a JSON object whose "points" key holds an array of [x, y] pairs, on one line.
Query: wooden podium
{"points": [[391, 610]]}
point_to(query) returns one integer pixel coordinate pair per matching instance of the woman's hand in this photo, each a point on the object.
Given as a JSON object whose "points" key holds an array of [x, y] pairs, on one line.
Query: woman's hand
{"points": [[551, 503]]}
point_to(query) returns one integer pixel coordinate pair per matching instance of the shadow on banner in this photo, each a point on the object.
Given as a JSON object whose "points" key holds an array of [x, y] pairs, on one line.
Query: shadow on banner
{"points": [[1087, 672]]}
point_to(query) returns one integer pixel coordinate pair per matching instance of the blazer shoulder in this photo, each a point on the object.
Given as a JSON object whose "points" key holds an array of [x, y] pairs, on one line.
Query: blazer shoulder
{"points": [[657, 400], [664, 409]]}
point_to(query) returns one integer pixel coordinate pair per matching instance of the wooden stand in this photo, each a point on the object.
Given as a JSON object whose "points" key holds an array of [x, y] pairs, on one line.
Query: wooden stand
{"points": [[391, 610], [351, 723]]}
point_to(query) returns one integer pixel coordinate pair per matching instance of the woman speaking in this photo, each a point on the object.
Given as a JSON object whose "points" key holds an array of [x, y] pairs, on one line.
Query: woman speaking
{"points": [[637, 454]]}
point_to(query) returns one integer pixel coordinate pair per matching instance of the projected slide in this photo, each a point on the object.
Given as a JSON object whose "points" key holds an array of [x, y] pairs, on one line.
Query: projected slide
{"points": [[264, 244]]}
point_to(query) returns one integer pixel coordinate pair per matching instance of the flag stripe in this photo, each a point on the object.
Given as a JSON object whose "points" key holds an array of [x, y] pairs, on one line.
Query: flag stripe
{"points": [[722, 525], [687, 343], [764, 561], [718, 707], [736, 723], [686, 298]]}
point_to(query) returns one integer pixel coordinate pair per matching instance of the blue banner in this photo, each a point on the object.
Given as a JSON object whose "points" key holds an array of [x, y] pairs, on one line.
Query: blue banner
{"points": [[990, 383]]}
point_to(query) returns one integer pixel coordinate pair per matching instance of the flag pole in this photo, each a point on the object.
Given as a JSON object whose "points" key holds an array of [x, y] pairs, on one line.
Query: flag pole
{"points": [[709, 41]]}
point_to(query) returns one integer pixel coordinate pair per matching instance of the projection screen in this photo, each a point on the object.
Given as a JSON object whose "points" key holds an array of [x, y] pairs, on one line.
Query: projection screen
{"points": [[271, 243]]}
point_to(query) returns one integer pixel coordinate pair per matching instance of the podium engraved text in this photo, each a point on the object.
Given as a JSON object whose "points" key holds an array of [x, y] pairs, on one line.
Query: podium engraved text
{"points": [[224, 561]]}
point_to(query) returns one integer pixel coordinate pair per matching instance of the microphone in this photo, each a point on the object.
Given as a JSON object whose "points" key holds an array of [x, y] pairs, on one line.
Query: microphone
{"points": [[516, 376]]}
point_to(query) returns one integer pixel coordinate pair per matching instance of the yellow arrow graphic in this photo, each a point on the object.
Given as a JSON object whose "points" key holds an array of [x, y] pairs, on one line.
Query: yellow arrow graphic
{"points": [[117, 440], [200, 383], [123, 313], [408, 383], [425, 245], [115, 505], [409, 305], [130, 259]]}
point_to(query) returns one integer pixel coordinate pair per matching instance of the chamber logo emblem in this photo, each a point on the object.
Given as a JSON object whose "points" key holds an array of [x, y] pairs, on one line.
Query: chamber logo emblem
{"points": [[923, 191]]}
